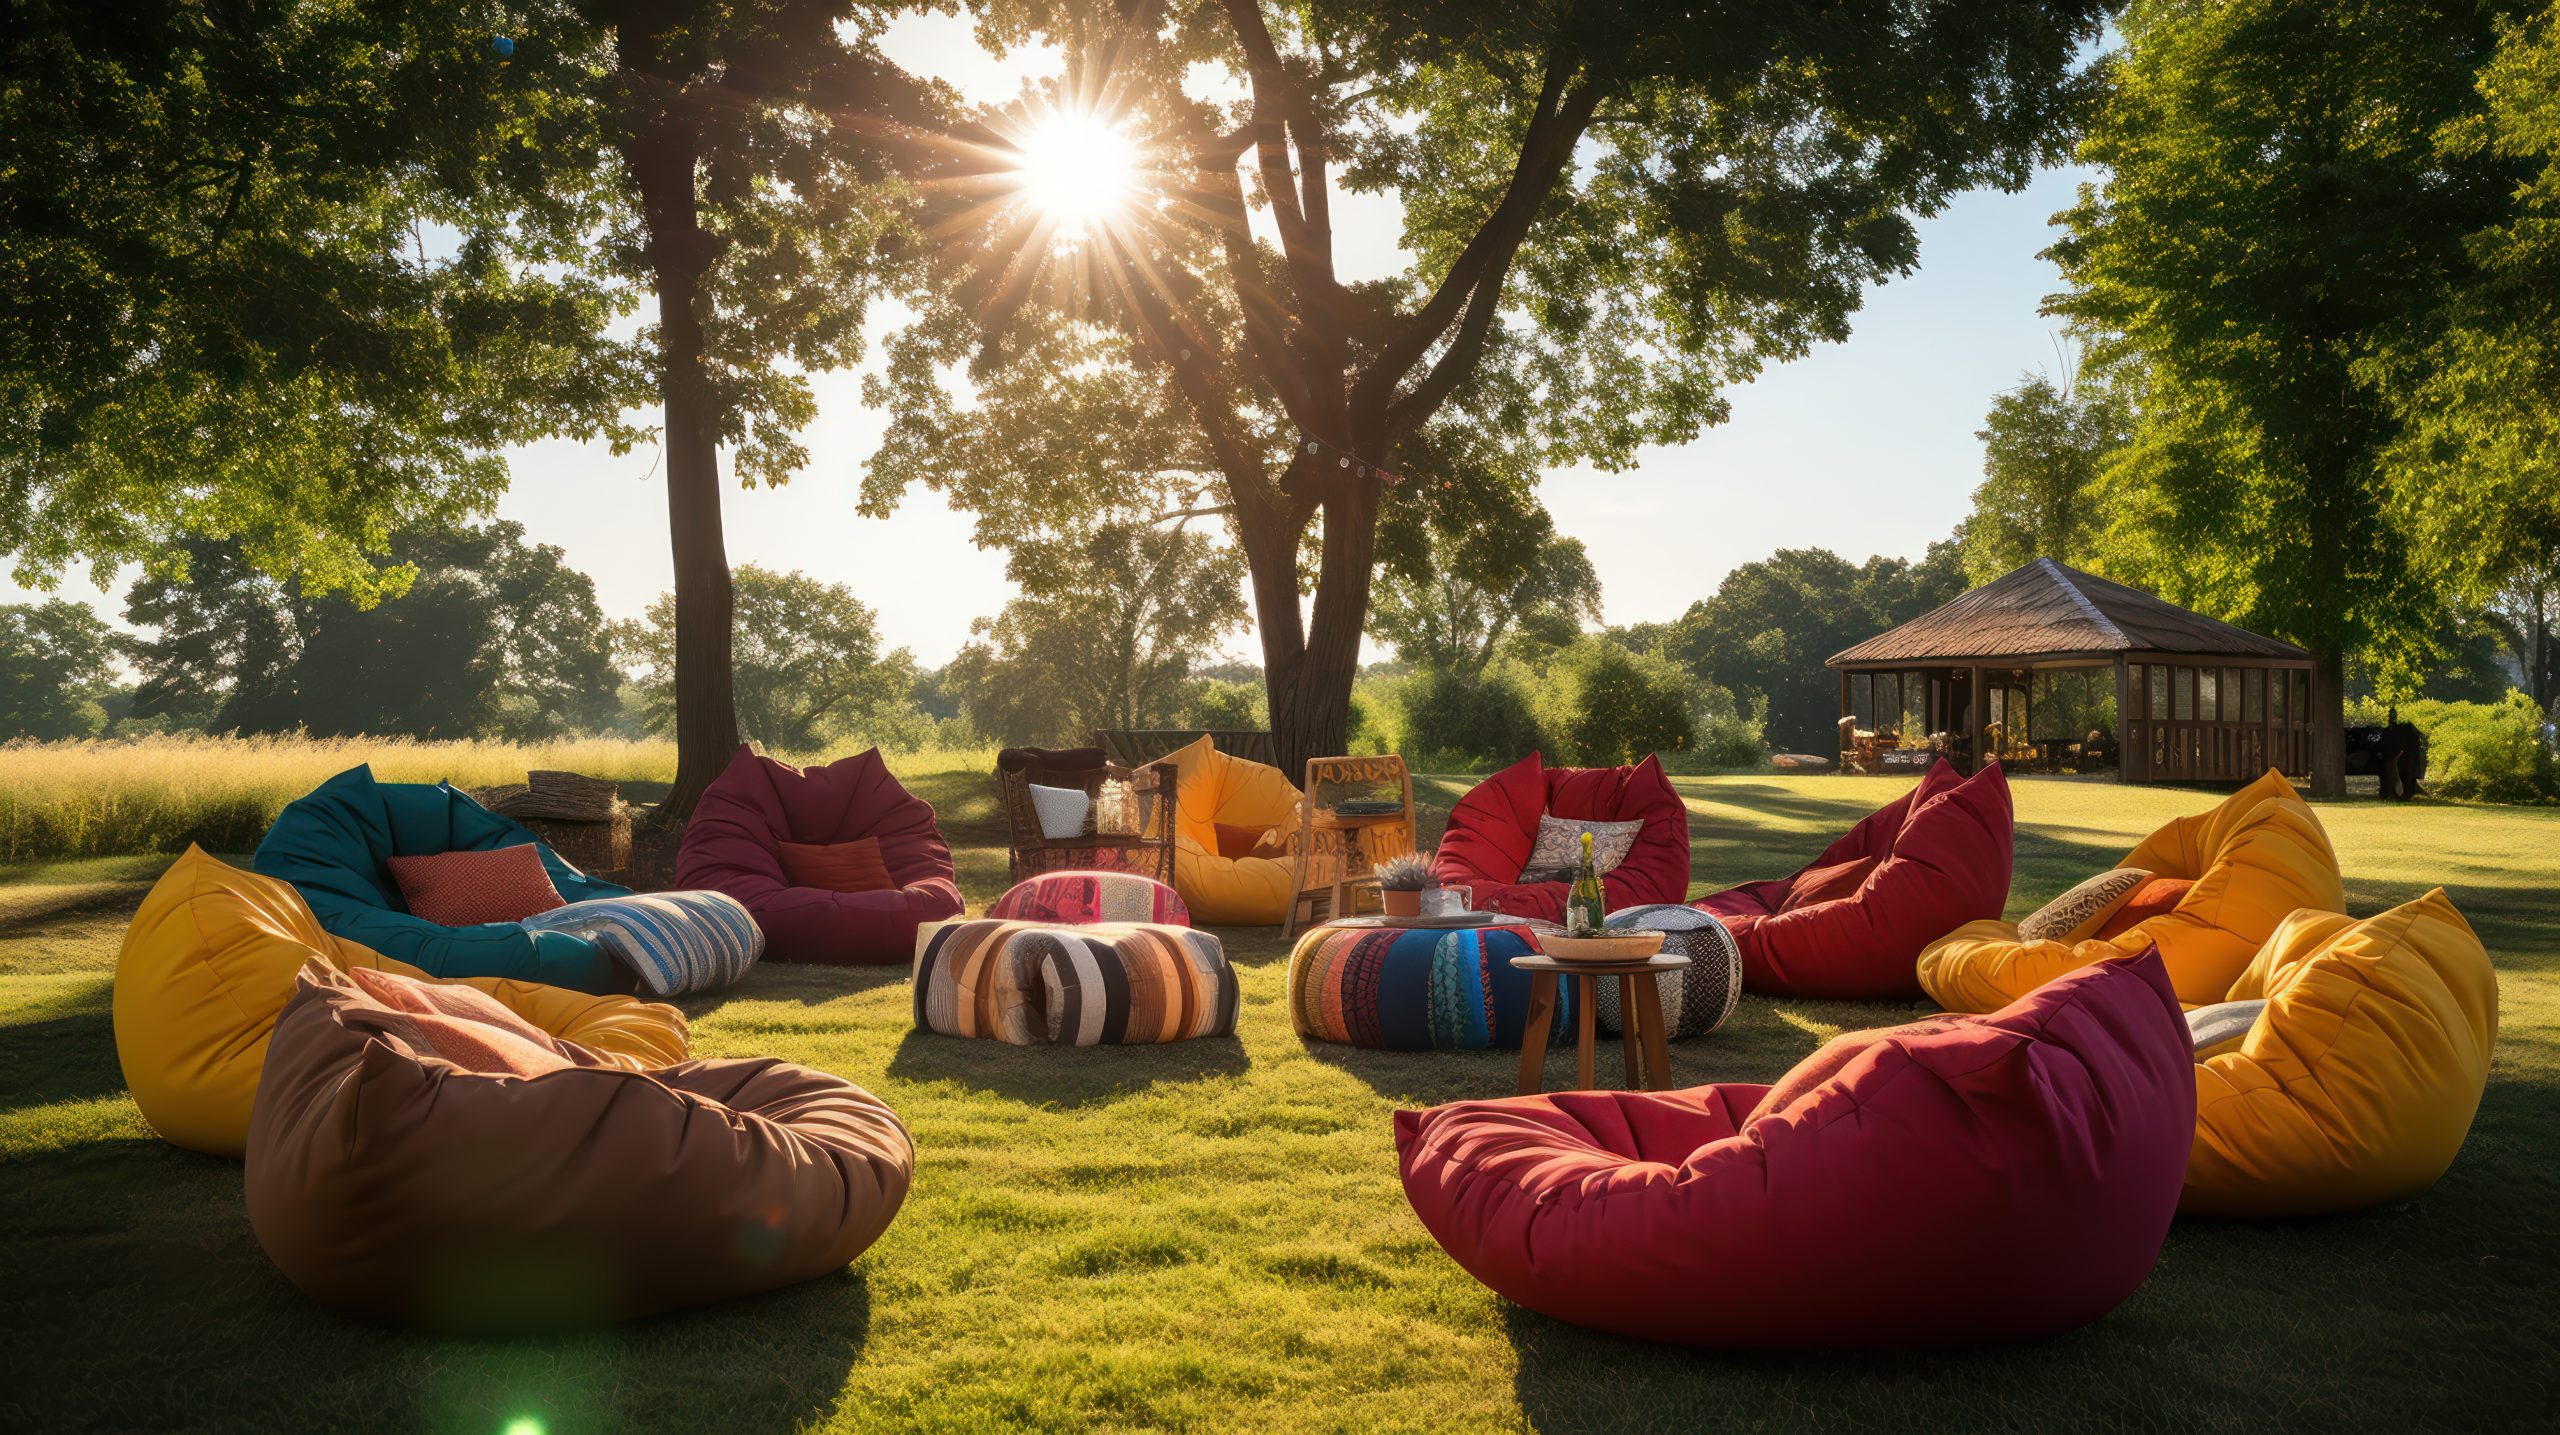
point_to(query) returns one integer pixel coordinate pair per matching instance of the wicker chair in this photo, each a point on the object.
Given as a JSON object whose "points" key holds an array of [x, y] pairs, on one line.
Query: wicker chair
{"points": [[1147, 852], [1337, 851]]}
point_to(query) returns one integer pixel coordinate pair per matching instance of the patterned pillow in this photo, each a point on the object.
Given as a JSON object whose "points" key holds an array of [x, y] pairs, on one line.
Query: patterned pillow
{"points": [[465, 889], [1559, 849], [1697, 998], [1061, 810], [676, 941], [2081, 908], [1113, 984]]}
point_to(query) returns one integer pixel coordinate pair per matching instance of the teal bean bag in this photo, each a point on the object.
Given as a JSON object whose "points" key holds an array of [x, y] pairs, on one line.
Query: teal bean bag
{"points": [[335, 847]]}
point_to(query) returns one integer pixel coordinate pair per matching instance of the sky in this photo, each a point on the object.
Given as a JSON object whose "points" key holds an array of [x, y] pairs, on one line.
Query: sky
{"points": [[1861, 447]]}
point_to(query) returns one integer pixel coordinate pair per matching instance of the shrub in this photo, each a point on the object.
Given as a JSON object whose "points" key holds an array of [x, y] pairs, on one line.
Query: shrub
{"points": [[1454, 721], [1722, 734], [1610, 706], [2487, 752], [1216, 703]]}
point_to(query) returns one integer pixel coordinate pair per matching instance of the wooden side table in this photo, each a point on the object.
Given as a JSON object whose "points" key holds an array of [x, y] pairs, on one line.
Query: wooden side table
{"points": [[1640, 1029]]}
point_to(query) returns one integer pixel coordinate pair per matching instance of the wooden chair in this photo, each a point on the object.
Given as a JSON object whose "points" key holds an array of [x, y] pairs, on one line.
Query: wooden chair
{"points": [[1147, 852], [1338, 852]]}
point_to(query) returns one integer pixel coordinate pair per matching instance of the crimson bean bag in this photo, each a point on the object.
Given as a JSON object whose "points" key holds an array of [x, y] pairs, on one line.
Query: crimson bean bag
{"points": [[734, 844], [1960, 1180], [1851, 925], [1494, 826]]}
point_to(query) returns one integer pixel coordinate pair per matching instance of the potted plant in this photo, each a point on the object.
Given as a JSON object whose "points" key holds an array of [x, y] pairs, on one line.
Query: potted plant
{"points": [[1401, 883]]}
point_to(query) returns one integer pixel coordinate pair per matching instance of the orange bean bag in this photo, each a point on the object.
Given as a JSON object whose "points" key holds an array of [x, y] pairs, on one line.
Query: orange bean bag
{"points": [[419, 1162], [1222, 886], [2249, 863], [210, 960]]}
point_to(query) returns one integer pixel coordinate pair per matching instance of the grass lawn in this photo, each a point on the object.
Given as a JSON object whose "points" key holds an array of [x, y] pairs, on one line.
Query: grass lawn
{"points": [[1211, 1235]]}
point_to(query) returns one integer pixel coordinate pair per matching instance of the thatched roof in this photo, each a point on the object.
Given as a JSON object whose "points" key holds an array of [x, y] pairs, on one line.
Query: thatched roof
{"points": [[2048, 610]]}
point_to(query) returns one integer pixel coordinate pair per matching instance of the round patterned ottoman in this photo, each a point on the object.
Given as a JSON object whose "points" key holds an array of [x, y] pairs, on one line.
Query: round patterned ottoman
{"points": [[1075, 898], [1696, 999], [1096, 984], [1414, 989]]}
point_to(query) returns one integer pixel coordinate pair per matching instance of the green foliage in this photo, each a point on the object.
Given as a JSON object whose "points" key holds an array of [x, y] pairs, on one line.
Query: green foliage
{"points": [[1607, 707], [2043, 448], [1767, 629], [1723, 734], [2494, 751], [492, 637], [1467, 601], [1218, 704], [809, 668], [56, 662], [1455, 721]]}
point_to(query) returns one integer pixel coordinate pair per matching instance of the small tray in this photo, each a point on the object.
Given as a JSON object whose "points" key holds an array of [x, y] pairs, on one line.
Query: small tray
{"points": [[1616, 947], [1370, 807]]}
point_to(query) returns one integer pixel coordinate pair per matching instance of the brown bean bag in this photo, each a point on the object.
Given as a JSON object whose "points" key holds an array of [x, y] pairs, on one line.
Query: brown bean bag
{"points": [[419, 1163]]}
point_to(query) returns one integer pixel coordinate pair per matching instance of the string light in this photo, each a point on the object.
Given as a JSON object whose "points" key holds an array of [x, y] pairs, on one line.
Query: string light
{"points": [[1345, 459]]}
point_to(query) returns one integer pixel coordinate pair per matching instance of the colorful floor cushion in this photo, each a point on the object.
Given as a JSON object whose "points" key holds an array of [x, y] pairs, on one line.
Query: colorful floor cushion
{"points": [[734, 844], [1409, 989], [336, 845], [1956, 1181], [2249, 863], [1211, 791], [676, 941], [2356, 1082], [1494, 829], [1849, 925], [1099, 984], [1697, 998], [210, 960], [409, 1170], [1075, 898]]}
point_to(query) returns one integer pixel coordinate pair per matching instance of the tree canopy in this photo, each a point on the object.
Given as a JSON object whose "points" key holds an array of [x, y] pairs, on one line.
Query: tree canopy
{"points": [[809, 665], [2045, 446], [56, 661], [1467, 601]]}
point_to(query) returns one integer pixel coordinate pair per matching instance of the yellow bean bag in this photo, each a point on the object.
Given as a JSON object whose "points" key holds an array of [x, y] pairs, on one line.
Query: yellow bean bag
{"points": [[1213, 790], [209, 962], [2357, 1081], [2253, 861]]}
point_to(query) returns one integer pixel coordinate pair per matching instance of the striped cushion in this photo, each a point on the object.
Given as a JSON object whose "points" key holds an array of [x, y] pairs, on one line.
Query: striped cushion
{"points": [[676, 941], [1108, 984], [1413, 989], [1077, 898], [1697, 998]]}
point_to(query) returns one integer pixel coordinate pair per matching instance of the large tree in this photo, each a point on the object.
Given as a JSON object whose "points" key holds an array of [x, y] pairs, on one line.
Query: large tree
{"points": [[808, 666], [2279, 219], [56, 661], [2044, 447], [1468, 602], [1612, 211]]}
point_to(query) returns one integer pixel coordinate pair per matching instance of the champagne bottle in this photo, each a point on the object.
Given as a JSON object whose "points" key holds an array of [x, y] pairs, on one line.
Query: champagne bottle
{"points": [[1586, 912]]}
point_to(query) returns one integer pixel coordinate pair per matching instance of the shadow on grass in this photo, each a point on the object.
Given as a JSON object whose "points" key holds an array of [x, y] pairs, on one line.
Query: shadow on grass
{"points": [[66, 1051], [1064, 1076]]}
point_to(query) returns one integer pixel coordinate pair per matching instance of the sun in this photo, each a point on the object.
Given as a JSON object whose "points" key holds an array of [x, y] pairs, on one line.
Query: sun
{"points": [[1079, 171]]}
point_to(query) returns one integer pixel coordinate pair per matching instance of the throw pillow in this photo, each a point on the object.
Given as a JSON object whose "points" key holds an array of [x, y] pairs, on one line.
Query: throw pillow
{"points": [[2156, 898], [2082, 908], [438, 1026], [465, 889], [1558, 851], [855, 866], [2218, 1028], [1828, 884], [675, 941], [1061, 810]]}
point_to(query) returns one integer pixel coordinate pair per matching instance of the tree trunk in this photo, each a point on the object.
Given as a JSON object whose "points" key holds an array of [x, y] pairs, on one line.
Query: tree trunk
{"points": [[2328, 724], [1311, 707], [662, 163]]}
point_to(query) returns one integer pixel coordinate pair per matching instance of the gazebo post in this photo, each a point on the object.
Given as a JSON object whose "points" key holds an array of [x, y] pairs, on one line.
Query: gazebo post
{"points": [[1976, 712], [1848, 728], [2124, 724]]}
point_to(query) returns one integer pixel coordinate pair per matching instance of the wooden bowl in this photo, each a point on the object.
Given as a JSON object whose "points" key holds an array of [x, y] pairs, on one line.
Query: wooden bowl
{"points": [[1616, 947]]}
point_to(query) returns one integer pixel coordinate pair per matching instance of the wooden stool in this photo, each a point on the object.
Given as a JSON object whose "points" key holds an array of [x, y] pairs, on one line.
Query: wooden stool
{"points": [[1640, 1029]]}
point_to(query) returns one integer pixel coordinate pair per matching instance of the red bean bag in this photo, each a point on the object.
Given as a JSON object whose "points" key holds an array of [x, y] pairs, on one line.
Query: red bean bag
{"points": [[1850, 926], [734, 844], [1961, 1180], [1494, 826]]}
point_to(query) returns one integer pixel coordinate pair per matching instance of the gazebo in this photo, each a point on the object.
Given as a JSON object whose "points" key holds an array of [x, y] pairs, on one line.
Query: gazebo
{"points": [[2049, 668]]}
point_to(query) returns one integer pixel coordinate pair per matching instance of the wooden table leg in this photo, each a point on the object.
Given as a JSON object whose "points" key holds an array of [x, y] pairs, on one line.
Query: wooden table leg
{"points": [[1657, 1050], [1629, 1028], [1586, 1025], [1533, 1039]]}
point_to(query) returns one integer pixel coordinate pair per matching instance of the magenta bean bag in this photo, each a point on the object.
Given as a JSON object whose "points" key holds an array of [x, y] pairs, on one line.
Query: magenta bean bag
{"points": [[1961, 1180], [1493, 828], [733, 845], [1851, 925]]}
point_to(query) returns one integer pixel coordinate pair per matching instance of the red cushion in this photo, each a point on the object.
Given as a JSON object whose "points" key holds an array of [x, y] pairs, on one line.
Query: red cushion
{"points": [[459, 1024], [2156, 898], [1828, 884], [1968, 1179], [733, 844], [1942, 854], [465, 889], [855, 866], [1494, 826]]}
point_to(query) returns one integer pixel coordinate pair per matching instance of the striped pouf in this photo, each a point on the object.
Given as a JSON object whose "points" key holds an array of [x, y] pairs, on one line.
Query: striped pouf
{"points": [[677, 941], [1415, 989], [1697, 998], [1076, 898], [1101, 984]]}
